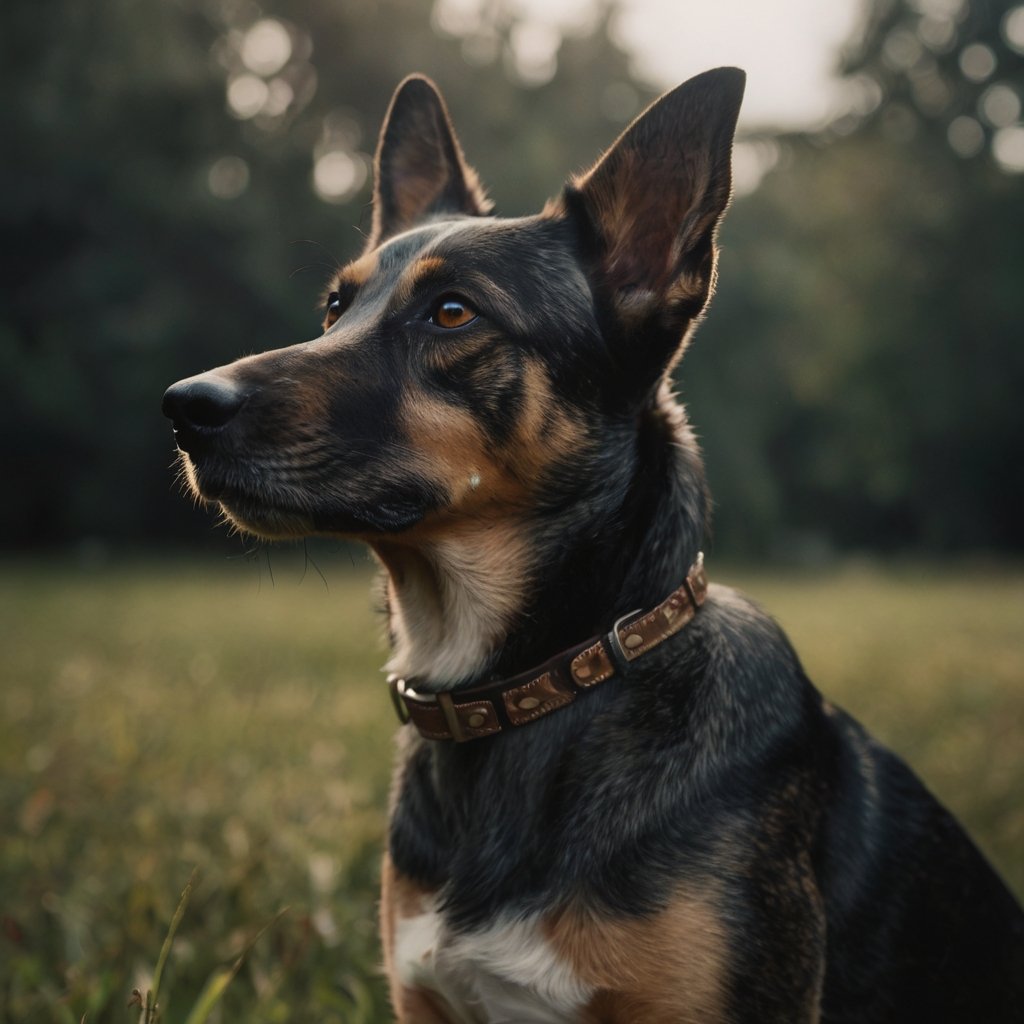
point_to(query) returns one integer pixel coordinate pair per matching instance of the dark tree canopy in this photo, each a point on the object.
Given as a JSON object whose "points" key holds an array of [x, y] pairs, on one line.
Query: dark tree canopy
{"points": [[871, 307]]}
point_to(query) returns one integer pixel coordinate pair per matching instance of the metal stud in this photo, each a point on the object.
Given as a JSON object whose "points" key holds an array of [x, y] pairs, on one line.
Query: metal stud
{"points": [[633, 640], [476, 720], [528, 704]]}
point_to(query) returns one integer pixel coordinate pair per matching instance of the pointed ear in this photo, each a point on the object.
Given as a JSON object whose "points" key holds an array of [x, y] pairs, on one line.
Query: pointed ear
{"points": [[420, 169], [652, 203]]}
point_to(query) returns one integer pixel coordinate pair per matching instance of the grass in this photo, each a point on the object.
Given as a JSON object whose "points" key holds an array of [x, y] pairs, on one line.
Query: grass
{"points": [[161, 716]]}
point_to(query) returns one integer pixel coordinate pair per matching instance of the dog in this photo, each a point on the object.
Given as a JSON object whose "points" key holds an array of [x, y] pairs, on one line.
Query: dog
{"points": [[617, 798]]}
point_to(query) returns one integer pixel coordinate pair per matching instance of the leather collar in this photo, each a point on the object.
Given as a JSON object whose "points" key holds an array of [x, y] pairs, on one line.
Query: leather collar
{"points": [[494, 707]]}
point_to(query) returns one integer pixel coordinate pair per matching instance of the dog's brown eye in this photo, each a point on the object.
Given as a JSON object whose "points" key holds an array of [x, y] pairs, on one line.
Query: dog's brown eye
{"points": [[452, 312], [338, 301], [335, 308]]}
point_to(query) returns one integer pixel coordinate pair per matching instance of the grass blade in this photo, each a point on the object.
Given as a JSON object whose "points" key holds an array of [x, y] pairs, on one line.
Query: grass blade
{"points": [[218, 982], [165, 950], [210, 996]]}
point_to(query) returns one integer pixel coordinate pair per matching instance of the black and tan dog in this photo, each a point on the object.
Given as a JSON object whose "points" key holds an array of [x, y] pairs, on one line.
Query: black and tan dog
{"points": [[619, 798]]}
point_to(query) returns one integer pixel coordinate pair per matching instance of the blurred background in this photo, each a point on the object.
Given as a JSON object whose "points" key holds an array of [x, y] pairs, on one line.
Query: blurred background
{"points": [[180, 177], [178, 180]]}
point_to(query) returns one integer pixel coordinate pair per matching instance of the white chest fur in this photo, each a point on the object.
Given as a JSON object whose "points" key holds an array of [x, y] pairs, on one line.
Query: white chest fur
{"points": [[502, 974]]}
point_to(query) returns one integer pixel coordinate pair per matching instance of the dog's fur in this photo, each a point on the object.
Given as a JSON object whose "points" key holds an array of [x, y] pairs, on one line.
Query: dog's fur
{"points": [[702, 839]]}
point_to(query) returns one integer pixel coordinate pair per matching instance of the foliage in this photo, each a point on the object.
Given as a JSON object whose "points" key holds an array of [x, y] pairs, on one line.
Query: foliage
{"points": [[182, 715], [184, 718], [869, 315]]}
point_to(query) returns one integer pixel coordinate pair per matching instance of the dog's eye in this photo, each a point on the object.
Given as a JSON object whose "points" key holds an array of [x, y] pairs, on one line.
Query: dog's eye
{"points": [[452, 312], [337, 302], [335, 308]]}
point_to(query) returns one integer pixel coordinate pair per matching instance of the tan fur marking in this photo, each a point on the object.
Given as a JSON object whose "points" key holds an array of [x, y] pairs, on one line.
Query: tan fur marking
{"points": [[399, 895], [668, 967], [453, 597], [303, 385], [421, 1006], [413, 274], [451, 447], [546, 433], [359, 271], [400, 898]]}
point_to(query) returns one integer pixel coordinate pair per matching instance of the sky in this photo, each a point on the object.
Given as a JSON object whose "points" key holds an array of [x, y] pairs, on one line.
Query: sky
{"points": [[789, 48]]}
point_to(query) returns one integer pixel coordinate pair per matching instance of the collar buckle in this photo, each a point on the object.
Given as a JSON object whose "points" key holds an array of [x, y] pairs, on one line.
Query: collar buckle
{"points": [[615, 649], [396, 687]]}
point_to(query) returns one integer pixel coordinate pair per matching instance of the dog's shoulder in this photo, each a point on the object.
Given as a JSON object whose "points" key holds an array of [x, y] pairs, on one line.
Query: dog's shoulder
{"points": [[735, 676], [736, 631]]}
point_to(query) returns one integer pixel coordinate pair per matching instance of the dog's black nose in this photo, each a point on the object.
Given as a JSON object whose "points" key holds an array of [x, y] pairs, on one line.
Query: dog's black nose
{"points": [[201, 407]]}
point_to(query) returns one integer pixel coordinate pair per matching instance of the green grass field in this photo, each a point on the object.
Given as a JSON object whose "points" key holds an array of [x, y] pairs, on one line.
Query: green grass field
{"points": [[162, 716]]}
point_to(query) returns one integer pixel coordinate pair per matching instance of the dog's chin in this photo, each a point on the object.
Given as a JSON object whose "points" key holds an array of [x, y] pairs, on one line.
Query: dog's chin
{"points": [[271, 518], [259, 518], [268, 523], [365, 523], [255, 506]]}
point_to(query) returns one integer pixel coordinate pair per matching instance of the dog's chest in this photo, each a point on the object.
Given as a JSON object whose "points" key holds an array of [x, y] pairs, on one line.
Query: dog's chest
{"points": [[504, 972]]}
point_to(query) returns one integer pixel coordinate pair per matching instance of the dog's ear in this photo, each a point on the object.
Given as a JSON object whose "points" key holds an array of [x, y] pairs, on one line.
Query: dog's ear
{"points": [[419, 167], [651, 206]]}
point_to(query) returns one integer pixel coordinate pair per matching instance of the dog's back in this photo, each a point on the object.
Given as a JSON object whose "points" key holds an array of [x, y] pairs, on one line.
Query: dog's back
{"points": [[920, 927]]}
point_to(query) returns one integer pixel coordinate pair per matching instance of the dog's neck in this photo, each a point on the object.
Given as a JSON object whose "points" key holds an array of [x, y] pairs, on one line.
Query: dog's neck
{"points": [[450, 600], [493, 598]]}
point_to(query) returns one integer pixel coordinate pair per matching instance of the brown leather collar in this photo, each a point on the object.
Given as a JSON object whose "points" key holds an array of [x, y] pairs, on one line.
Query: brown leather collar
{"points": [[493, 707]]}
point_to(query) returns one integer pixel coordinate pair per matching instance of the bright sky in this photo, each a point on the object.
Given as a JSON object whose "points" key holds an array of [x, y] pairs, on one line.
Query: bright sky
{"points": [[789, 48]]}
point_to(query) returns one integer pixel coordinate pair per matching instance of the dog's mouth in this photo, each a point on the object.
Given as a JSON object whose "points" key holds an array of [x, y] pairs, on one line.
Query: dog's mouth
{"points": [[276, 502]]}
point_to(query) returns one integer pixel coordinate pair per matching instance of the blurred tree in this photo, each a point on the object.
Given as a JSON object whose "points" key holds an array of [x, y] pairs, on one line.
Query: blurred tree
{"points": [[870, 310], [116, 256]]}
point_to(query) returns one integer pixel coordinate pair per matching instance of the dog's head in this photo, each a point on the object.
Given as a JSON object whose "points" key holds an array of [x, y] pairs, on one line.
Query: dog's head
{"points": [[472, 367]]}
